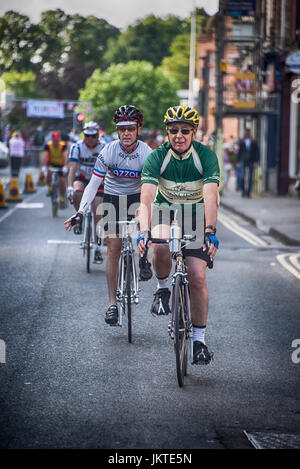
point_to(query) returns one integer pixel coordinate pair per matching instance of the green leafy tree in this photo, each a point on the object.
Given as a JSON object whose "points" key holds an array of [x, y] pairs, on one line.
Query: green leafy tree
{"points": [[148, 39], [73, 47], [18, 39], [138, 83], [177, 64], [23, 85]]}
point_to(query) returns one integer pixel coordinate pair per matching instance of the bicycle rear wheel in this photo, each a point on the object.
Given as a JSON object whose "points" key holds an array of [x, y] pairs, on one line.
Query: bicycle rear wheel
{"points": [[128, 276], [180, 331], [88, 241]]}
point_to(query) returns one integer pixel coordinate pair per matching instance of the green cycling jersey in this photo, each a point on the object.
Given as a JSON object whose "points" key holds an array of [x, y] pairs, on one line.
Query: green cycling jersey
{"points": [[180, 178]]}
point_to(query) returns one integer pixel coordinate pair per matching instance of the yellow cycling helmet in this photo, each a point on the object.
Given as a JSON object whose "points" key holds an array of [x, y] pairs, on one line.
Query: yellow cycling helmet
{"points": [[182, 114]]}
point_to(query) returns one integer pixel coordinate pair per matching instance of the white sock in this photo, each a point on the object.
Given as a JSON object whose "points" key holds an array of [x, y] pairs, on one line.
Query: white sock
{"points": [[162, 282], [199, 334]]}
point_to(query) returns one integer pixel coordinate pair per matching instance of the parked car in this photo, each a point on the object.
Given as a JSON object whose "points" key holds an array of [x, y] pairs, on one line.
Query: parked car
{"points": [[3, 155]]}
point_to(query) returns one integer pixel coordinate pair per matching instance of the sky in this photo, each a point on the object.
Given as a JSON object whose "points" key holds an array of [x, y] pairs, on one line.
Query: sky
{"points": [[119, 13]]}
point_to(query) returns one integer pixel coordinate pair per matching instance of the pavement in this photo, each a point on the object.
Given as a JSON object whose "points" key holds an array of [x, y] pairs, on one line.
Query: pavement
{"points": [[277, 216]]}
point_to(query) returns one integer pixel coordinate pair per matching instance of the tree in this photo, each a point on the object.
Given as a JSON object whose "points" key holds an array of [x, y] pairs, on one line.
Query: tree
{"points": [[72, 47], [148, 39], [18, 39], [177, 64], [138, 83], [23, 85]]}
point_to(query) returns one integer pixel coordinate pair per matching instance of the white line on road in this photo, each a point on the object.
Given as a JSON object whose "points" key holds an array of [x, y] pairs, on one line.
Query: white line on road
{"points": [[293, 258], [62, 241], [10, 212], [242, 232]]}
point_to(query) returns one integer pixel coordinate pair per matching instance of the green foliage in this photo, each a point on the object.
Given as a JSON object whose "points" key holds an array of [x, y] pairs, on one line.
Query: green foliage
{"points": [[177, 64], [22, 84], [149, 39], [63, 50], [138, 83], [18, 38]]}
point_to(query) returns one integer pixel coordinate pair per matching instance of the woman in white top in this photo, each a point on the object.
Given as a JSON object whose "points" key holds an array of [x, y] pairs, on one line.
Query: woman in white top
{"points": [[16, 147]]}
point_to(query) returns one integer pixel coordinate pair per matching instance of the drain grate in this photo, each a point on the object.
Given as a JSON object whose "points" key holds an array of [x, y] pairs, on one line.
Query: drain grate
{"points": [[271, 440]]}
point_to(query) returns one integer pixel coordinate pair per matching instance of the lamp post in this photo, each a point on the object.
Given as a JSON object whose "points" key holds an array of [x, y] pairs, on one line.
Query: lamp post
{"points": [[192, 56]]}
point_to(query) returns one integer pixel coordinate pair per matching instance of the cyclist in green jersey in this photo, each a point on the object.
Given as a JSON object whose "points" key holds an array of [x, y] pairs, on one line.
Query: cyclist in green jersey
{"points": [[181, 177]]}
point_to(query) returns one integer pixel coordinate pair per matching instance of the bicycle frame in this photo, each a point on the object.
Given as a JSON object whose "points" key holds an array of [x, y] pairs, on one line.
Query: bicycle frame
{"points": [[127, 295]]}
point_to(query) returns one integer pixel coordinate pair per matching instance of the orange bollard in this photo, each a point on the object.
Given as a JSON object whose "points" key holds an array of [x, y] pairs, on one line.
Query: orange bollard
{"points": [[3, 203], [13, 191], [29, 186], [42, 181]]}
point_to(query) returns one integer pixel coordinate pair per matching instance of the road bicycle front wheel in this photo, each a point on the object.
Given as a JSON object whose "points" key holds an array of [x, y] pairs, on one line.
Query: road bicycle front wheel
{"points": [[128, 276], [88, 241], [181, 336]]}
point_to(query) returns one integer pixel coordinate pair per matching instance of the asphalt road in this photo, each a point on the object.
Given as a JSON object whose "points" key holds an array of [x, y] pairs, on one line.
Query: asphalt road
{"points": [[68, 380]]}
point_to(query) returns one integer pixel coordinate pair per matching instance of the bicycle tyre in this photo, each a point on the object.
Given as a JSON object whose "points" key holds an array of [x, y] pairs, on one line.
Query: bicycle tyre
{"points": [[54, 196], [88, 242], [180, 331], [128, 294]]}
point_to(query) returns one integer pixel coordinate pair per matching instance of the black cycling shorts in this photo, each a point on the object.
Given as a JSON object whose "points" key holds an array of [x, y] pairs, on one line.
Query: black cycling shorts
{"points": [[192, 223], [118, 208]]}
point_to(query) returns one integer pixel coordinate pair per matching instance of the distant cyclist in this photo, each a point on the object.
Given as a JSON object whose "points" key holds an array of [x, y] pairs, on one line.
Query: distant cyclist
{"points": [[55, 155], [120, 165], [82, 158], [182, 175]]}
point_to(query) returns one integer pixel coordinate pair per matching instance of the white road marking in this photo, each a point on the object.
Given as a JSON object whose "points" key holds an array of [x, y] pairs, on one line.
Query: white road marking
{"points": [[290, 262], [30, 205], [240, 231], [10, 212], [62, 241]]}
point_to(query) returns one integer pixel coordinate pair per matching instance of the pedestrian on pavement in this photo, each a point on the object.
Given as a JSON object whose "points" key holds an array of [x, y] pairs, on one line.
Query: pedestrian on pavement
{"points": [[16, 147], [248, 158], [227, 166]]}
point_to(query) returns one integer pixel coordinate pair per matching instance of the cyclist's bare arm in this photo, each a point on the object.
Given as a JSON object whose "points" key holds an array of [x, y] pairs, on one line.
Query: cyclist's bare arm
{"points": [[148, 194]]}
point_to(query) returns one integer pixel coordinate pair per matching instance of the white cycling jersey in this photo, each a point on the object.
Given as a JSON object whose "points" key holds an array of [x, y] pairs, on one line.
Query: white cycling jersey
{"points": [[85, 158], [120, 170]]}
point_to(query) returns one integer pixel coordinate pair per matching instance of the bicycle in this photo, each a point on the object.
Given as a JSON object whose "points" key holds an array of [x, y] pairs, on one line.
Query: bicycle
{"points": [[180, 327], [88, 223], [128, 283], [88, 236], [56, 174]]}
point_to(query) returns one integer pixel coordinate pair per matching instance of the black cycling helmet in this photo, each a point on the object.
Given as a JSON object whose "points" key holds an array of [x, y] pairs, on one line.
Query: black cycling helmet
{"points": [[127, 115]]}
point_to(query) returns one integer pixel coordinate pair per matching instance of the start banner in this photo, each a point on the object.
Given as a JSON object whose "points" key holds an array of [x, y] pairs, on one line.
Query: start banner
{"points": [[43, 108]]}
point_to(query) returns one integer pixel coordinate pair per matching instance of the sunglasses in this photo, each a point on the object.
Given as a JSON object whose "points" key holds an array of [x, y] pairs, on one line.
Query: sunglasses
{"points": [[123, 128], [175, 131], [91, 136]]}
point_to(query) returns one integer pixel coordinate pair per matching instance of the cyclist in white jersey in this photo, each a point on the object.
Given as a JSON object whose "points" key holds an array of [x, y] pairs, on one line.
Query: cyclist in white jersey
{"points": [[82, 158], [120, 165]]}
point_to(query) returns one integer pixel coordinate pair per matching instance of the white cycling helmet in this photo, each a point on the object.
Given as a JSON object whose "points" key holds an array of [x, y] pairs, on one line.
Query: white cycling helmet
{"points": [[91, 128]]}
